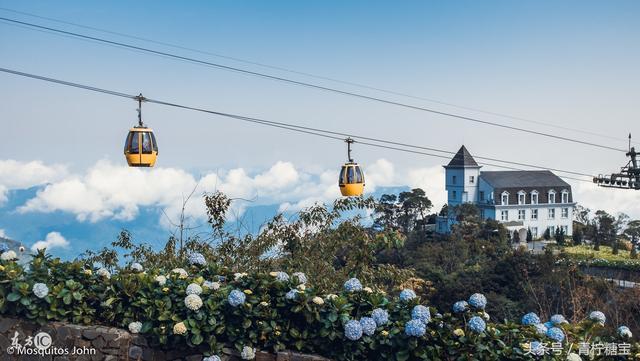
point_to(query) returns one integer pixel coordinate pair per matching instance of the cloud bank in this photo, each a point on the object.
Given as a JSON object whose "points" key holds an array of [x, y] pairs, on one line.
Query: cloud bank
{"points": [[52, 240]]}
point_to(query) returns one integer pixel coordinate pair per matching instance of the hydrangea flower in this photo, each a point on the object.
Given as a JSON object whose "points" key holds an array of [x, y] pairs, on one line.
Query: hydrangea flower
{"points": [[548, 324], [556, 334], [281, 276], [624, 332], [558, 319], [222, 278], [194, 289], [193, 302], [302, 278], [212, 358], [237, 276], [530, 319], [460, 306], [135, 327], [353, 330], [236, 298], [3, 247], [477, 324], [179, 328], [536, 348], [368, 325], [137, 267], [161, 280], [541, 329], [368, 290], [458, 332], [248, 353], [598, 317], [380, 316], [291, 295], [196, 259], [421, 313], [407, 295], [574, 357], [8, 255], [317, 300], [353, 285], [40, 290], [478, 300], [102, 272], [181, 272], [415, 328], [211, 285]]}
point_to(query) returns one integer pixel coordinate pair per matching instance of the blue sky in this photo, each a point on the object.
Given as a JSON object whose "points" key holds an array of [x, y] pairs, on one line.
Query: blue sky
{"points": [[570, 63]]}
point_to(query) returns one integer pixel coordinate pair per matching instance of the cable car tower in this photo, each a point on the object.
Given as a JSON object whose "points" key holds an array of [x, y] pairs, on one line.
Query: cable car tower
{"points": [[629, 176]]}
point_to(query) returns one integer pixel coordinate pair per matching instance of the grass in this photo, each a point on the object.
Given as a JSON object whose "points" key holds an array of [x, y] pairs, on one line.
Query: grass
{"points": [[585, 252]]}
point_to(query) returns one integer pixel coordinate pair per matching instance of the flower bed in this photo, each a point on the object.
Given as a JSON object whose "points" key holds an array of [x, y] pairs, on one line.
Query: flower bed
{"points": [[205, 307]]}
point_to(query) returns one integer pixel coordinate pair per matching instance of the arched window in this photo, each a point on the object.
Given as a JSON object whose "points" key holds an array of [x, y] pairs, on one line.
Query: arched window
{"points": [[534, 197], [505, 198], [522, 197], [565, 196], [552, 196]]}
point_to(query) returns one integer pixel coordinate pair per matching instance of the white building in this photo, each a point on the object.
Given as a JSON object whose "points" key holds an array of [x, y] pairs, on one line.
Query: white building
{"points": [[521, 200]]}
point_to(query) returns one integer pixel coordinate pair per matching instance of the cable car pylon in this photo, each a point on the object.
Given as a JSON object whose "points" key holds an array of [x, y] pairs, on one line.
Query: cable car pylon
{"points": [[629, 176]]}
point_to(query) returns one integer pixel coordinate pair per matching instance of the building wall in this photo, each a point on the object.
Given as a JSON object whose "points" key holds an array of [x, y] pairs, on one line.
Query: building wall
{"points": [[543, 222]]}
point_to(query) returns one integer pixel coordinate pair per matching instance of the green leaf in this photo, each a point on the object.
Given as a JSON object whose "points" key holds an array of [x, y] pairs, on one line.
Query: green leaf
{"points": [[13, 297]]}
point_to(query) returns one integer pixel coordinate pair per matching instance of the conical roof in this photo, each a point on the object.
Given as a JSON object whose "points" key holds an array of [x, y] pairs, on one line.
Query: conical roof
{"points": [[463, 159]]}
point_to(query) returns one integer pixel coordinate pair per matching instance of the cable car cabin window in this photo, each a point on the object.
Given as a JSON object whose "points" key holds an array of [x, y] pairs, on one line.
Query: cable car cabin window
{"points": [[350, 175], [359, 177], [155, 144], [127, 142], [342, 174], [134, 146], [146, 143]]}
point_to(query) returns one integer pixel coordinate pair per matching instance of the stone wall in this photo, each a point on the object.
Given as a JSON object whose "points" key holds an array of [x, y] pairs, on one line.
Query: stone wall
{"points": [[99, 343]]}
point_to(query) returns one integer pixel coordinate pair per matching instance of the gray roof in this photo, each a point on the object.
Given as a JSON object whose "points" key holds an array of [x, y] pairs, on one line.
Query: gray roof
{"points": [[523, 179], [463, 159]]}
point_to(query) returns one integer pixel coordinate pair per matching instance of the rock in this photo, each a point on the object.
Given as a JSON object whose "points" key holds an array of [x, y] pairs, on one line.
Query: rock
{"points": [[135, 352], [99, 343], [90, 334]]}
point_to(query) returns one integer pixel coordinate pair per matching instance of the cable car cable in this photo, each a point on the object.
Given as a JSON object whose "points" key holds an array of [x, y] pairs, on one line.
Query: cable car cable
{"points": [[281, 125], [314, 86], [360, 85]]}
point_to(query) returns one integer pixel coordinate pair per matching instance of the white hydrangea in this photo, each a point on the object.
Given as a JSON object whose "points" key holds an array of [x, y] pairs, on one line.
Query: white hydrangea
{"points": [[302, 278], [40, 290], [317, 300], [248, 353], [194, 289], [135, 327], [193, 302], [211, 285], [237, 275], [161, 280], [103, 272], [136, 267], [574, 357], [9, 255], [179, 328], [181, 272]]}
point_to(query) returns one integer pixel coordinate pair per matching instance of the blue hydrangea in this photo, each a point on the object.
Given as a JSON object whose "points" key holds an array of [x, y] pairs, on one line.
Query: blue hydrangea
{"points": [[548, 324], [407, 295], [541, 329], [353, 330], [558, 319], [3, 247], [302, 278], [556, 334], [537, 348], [421, 313], [477, 324], [197, 259], [624, 332], [291, 295], [598, 317], [478, 301], [415, 328], [212, 358], [368, 325], [530, 319], [222, 278], [460, 306], [380, 316], [353, 285], [282, 276], [236, 298]]}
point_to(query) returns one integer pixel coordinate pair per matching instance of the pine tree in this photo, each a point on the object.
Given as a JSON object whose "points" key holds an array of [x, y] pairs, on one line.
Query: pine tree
{"points": [[529, 235], [547, 234]]}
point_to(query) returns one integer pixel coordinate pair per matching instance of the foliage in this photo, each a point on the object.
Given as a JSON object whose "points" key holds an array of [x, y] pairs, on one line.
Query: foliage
{"points": [[585, 252], [266, 318]]}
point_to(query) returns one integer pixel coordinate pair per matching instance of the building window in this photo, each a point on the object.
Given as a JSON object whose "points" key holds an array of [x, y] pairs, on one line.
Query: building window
{"points": [[552, 197], [472, 179], [534, 214], [534, 197], [522, 197], [505, 198], [504, 215], [521, 214], [552, 213], [565, 197], [453, 195], [454, 179], [552, 230], [534, 232], [482, 196], [565, 213], [565, 230], [482, 214]]}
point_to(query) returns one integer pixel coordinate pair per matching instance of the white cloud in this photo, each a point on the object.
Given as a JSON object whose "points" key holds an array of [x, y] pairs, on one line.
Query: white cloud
{"points": [[3, 234], [22, 175], [52, 240], [611, 200], [431, 180]]}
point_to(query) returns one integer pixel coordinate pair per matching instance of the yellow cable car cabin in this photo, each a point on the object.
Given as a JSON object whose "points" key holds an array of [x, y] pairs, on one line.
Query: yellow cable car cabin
{"points": [[351, 181], [141, 147]]}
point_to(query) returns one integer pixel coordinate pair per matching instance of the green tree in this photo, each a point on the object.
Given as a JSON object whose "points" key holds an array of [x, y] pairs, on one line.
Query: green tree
{"points": [[547, 234], [559, 236], [516, 237], [605, 227], [577, 236], [529, 235]]}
